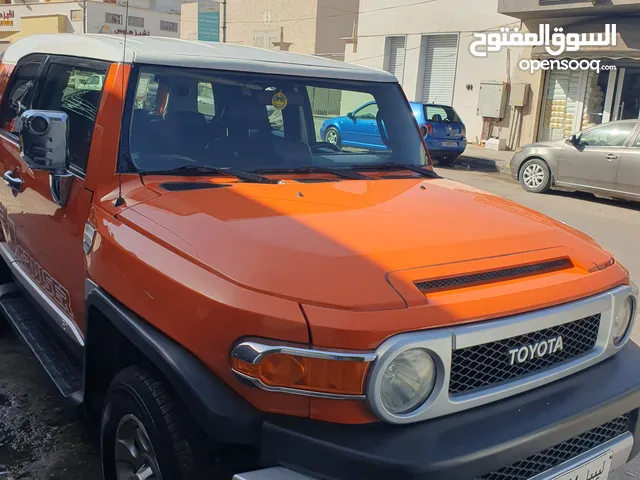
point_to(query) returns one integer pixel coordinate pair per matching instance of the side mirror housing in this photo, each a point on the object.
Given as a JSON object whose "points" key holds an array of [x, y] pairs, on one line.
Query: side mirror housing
{"points": [[43, 140], [574, 139], [351, 116]]}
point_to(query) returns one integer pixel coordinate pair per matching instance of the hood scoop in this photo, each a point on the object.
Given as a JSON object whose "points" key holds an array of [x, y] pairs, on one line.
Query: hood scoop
{"points": [[493, 276], [317, 180], [187, 186]]}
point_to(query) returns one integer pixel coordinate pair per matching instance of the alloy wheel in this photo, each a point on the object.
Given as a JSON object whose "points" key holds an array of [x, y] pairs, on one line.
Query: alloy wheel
{"points": [[134, 455], [533, 175]]}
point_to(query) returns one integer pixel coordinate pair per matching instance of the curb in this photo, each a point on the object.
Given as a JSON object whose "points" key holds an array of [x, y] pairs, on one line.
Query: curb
{"points": [[484, 164]]}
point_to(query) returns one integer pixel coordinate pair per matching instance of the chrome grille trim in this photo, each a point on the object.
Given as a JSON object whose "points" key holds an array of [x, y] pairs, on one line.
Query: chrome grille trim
{"points": [[443, 341], [488, 364]]}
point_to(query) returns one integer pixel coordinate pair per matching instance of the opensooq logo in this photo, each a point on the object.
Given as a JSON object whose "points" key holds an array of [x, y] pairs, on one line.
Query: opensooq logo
{"points": [[555, 44]]}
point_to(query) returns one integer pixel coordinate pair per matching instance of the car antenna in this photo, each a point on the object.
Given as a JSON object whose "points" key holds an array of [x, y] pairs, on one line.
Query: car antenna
{"points": [[120, 201]]}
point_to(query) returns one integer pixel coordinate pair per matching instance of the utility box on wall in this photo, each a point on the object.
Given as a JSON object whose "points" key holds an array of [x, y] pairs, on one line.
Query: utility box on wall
{"points": [[492, 99], [519, 96]]}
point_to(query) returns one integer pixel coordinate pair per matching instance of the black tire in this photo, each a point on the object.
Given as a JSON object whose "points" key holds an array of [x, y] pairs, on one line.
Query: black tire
{"points": [[173, 436], [535, 176], [333, 130], [447, 160]]}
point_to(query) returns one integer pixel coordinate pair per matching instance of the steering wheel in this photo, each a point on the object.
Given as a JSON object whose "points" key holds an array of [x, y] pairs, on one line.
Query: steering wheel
{"points": [[325, 147]]}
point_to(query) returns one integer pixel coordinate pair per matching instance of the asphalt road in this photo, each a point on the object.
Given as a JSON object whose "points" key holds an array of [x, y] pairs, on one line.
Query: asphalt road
{"points": [[42, 439]]}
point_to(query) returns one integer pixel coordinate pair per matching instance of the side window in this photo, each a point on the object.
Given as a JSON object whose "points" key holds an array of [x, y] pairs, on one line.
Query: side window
{"points": [[613, 135], [368, 113], [21, 88], [636, 144], [206, 104], [66, 88]]}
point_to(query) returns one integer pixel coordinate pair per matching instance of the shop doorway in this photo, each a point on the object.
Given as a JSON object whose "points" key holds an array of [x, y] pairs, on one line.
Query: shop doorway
{"points": [[627, 96]]}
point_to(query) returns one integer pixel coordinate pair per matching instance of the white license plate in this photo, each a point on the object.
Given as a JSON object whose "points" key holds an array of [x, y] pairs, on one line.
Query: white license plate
{"points": [[449, 144], [597, 469]]}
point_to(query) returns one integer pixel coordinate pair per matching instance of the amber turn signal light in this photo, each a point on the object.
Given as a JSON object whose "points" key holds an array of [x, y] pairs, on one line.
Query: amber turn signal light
{"points": [[293, 368]]}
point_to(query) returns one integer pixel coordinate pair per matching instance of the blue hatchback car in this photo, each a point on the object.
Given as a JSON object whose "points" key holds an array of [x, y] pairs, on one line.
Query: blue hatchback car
{"points": [[443, 129]]}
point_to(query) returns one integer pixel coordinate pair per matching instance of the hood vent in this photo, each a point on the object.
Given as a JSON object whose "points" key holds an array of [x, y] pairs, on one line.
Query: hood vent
{"points": [[450, 283], [185, 186], [316, 180]]}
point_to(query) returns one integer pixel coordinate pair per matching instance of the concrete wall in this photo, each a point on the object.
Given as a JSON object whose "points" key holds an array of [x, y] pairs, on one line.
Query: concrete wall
{"points": [[189, 21], [296, 17], [335, 22], [381, 18]]}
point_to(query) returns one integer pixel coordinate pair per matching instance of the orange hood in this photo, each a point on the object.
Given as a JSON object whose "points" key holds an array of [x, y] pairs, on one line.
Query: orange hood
{"points": [[335, 244]]}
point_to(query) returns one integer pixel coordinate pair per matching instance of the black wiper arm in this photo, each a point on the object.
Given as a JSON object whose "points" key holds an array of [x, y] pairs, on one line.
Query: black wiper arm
{"points": [[334, 171], [205, 169], [396, 165]]}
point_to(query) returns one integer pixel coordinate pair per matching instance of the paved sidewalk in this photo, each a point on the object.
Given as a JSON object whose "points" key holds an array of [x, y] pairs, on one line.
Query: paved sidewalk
{"points": [[480, 158]]}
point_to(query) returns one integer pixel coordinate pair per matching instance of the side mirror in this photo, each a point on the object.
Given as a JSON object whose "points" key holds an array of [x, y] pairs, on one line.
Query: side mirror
{"points": [[43, 140], [423, 131], [351, 116]]}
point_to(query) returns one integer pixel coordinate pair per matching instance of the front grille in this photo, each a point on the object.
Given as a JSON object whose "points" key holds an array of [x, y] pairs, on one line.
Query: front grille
{"points": [[558, 454], [450, 283], [489, 364]]}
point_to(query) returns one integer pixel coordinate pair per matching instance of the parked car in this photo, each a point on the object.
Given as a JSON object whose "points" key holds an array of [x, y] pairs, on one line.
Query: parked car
{"points": [[227, 303], [604, 159], [441, 126]]}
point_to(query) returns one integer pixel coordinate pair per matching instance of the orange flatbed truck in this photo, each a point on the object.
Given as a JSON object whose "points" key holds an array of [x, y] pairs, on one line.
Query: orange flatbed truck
{"points": [[229, 296]]}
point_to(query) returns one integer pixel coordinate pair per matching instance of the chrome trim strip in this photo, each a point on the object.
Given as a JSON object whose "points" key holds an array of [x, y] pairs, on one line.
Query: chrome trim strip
{"points": [[254, 350], [256, 382], [440, 343], [620, 448], [88, 237], [67, 325]]}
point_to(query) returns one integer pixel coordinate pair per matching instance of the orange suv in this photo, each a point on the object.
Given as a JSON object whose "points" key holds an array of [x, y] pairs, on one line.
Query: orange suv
{"points": [[228, 296]]}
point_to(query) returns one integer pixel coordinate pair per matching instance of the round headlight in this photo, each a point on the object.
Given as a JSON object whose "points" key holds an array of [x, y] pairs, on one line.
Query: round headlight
{"points": [[622, 320], [408, 381]]}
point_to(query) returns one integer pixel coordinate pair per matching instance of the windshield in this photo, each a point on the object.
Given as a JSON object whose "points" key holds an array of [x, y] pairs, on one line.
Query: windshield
{"points": [[441, 113], [251, 122]]}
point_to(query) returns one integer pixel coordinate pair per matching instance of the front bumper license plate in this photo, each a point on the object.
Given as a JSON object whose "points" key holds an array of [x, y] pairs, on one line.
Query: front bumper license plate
{"points": [[449, 144], [597, 469]]}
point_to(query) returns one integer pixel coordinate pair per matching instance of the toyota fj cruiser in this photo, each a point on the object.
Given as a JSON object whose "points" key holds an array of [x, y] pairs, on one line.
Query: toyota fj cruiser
{"points": [[229, 296]]}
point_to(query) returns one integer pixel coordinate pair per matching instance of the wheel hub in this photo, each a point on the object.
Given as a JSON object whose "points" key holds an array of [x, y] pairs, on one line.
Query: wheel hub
{"points": [[134, 454], [533, 175]]}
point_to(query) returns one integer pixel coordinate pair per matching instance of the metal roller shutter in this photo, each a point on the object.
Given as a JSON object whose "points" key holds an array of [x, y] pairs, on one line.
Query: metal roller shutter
{"points": [[395, 63], [439, 71]]}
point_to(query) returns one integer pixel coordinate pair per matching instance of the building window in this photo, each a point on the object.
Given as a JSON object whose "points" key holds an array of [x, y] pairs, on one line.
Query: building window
{"points": [[168, 26], [113, 18], [394, 52], [206, 104], [438, 60], [265, 39], [135, 22], [76, 15]]}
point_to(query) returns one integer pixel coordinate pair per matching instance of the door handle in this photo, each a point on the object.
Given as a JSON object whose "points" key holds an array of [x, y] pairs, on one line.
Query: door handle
{"points": [[12, 182], [611, 156]]}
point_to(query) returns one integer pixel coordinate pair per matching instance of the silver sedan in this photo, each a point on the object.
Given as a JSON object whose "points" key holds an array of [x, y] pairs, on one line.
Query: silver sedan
{"points": [[604, 160]]}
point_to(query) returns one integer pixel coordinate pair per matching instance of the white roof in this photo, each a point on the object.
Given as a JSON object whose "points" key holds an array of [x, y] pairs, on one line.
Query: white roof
{"points": [[189, 53]]}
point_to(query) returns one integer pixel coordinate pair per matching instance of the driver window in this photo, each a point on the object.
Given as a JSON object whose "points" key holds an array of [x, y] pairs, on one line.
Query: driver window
{"points": [[613, 135], [367, 113]]}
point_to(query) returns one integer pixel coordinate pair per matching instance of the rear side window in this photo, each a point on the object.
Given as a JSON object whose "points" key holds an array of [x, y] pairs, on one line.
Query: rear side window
{"points": [[441, 113], [75, 91], [22, 85], [205, 99]]}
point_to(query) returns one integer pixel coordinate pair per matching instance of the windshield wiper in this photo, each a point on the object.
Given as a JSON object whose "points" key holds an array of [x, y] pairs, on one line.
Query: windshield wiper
{"points": [[398, 166], [206, 170], [334, 171]]}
